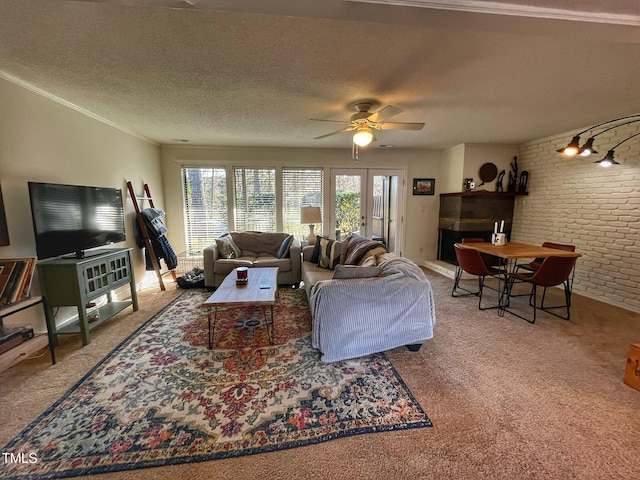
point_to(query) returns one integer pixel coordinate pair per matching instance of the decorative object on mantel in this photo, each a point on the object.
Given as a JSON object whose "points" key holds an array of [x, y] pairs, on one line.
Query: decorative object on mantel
{"points": [[524, 179], [499, 187], [513, 175], [488, 173], [467, 184], [573, 147]]}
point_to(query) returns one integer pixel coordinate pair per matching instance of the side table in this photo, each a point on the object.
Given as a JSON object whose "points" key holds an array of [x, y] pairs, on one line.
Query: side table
{"points": [[20, 352]]}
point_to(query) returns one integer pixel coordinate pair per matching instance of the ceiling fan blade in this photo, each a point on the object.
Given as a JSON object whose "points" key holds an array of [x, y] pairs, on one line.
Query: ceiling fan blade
{"points": [[348, 129], [401, 126], [333, 121], [384, 113]]}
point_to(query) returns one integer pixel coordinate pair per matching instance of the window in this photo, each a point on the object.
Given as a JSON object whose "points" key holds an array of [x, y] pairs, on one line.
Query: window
{"points": [[205, 206], [301, 188], [255, 199], [207, 199]]}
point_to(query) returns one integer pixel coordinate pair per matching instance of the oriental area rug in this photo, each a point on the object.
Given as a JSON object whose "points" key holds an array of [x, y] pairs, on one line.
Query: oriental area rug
{"points": [[162, 397]]}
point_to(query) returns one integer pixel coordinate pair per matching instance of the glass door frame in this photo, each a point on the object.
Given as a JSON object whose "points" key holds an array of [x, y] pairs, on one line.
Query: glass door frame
{"points": [[366, 203]]}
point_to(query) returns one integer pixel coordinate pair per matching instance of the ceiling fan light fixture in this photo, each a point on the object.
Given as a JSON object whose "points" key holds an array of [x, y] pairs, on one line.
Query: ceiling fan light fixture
{"points": [[363, 136]]}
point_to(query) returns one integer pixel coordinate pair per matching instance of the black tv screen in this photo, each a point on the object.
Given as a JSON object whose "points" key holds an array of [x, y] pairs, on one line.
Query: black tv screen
{"points": [[69, 219]]}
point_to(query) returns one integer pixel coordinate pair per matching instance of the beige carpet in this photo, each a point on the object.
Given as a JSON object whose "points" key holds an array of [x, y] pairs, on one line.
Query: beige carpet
{"points": [[509, 400]]}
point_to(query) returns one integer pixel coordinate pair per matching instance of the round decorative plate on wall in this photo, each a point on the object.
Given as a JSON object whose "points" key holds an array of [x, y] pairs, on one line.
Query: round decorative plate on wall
{"points": [[488, 172]]}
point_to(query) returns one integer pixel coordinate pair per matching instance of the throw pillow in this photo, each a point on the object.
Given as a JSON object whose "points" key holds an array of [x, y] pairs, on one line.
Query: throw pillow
{"points": [[353, 271], [316, 249], [283, 251], [385, 257], [330, 253], [357, 247], [370, 261], [227, 248], [374, 252]]}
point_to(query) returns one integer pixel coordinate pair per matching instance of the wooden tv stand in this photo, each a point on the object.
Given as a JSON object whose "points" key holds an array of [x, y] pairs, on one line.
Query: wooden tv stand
{"points": [[78, 281]]}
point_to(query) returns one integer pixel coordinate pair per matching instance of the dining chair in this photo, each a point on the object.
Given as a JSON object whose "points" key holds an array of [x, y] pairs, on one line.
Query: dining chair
{"points": [[535, 264], [489, 260], [553, 271], [470, 261]]}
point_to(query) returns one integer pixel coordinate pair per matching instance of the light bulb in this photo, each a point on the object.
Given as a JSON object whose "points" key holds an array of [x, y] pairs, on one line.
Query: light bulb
{"points": [[586, 152], [363, 137], [570, 151], [605, 163], [573, 148]]}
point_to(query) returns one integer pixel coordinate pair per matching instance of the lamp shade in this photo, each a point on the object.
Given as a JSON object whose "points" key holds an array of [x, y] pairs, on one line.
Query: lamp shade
{"points": [[587, 148], [572, 148], [310, 215], [363, 136], [608, 160]]}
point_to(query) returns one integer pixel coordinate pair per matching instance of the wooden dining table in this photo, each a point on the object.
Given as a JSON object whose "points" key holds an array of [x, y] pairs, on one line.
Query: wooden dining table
{"points": [[508, 256]]}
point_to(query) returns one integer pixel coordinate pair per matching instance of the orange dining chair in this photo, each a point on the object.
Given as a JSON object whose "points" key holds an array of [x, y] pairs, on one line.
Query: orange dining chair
{"points": [[470, 261], [553, 271]]}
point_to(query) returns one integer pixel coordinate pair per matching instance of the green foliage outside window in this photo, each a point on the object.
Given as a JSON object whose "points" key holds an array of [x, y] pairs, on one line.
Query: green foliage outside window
{"points": [[347, 212]]}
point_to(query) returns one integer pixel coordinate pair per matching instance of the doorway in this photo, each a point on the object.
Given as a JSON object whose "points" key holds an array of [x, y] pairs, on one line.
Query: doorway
{"points": [[369, 202]]}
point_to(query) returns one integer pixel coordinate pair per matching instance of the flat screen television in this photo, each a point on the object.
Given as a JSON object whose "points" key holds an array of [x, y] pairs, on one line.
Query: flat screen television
{"points": [[69, 219]]}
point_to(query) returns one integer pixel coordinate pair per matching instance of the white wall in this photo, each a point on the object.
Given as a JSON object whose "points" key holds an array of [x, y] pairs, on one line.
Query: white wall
{"points": [[43, 140], [476, 155], [421, 237], [573, 200], [464, 161], [452, 175]]}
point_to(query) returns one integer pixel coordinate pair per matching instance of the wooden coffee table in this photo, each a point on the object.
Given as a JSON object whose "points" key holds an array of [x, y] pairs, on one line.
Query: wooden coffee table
{"points": [[261, 290]]}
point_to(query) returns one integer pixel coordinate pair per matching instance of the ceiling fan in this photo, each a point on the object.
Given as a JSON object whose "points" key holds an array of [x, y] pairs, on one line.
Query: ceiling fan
{"points": [[364, 122]]}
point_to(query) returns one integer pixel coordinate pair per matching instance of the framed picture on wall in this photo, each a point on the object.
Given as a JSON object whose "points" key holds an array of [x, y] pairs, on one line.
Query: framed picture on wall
{"points": [[424, 186]]}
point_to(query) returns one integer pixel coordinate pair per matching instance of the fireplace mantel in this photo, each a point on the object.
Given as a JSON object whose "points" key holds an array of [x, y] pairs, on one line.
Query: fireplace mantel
{"points": [[472, 214]]}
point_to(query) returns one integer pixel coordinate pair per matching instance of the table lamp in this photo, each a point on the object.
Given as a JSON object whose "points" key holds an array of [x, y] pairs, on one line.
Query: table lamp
{"points": [[310, 216]]}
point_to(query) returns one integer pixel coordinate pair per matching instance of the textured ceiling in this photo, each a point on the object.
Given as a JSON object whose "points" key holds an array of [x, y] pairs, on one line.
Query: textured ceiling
{"points": [[255, 74]]}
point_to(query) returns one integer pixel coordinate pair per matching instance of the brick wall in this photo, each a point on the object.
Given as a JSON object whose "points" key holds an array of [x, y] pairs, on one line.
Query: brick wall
{"points": [[573, 200]]}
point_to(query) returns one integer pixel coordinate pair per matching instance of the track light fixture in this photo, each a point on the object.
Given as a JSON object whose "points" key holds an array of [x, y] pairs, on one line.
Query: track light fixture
{"points": [[573, 147], [587, 149], [609, 159]]}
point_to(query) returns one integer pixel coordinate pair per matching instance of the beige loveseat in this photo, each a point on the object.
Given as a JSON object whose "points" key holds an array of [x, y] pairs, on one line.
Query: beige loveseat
{"points": [[254, 250], [382, 302]]}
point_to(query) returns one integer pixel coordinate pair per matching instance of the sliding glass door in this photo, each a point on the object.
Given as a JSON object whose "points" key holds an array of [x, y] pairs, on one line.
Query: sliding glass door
{"points": [[367, 202]]}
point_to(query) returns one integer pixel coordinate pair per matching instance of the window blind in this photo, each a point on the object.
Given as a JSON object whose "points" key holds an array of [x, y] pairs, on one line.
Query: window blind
{"points": [[302, 187], [255, 199], [205, 206]]}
